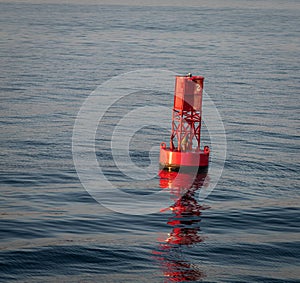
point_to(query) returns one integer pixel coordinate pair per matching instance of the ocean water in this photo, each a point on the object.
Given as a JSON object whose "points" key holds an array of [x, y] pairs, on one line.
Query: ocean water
{"points": [[53, 56]]}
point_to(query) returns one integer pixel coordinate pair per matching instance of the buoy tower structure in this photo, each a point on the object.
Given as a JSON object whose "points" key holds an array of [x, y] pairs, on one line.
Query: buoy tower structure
{"points": [[184, 150]]}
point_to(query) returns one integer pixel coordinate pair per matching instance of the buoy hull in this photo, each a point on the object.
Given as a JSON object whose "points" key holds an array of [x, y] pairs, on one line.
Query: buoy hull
{"points": [[187, 161]]}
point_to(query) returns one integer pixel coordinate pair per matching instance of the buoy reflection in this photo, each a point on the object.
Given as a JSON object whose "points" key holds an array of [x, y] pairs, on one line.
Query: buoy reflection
{"points": [[185, 226]]}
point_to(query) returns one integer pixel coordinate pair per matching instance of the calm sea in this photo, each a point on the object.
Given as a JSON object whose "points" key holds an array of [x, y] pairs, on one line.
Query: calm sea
{"points": [[53, 56]]}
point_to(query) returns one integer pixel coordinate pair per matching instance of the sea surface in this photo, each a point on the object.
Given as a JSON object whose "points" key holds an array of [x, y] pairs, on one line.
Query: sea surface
{"points": [[53, 56]]}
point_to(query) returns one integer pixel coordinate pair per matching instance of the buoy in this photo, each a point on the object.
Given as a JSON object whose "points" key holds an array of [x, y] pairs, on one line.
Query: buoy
{"points": [[184, 152]]}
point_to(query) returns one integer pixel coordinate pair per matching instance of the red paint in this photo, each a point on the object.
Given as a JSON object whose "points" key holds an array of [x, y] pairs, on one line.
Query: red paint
{"points": [[184, 150]]}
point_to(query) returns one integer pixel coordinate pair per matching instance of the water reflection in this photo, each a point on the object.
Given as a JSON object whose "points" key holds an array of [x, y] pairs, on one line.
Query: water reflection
{"points": [[185, 227]]}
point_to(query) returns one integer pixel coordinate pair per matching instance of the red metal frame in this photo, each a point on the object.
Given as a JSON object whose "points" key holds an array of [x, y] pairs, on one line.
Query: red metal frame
{"points": [[185, 124], [184, 150], [186, 117]]}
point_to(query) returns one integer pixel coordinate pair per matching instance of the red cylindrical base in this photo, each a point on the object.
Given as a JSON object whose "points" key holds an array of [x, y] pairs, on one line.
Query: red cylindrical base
{"points": [[172, 160]]}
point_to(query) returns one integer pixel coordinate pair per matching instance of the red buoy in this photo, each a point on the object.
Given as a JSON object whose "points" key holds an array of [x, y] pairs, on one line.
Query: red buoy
{"points": [[184, 151]]}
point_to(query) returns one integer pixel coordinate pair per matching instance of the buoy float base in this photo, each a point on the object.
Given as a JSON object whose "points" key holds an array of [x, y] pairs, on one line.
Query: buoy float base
{"points": [[185, 161]]}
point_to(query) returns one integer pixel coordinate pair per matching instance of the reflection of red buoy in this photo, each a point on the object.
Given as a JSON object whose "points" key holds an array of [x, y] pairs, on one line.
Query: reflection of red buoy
{"points": [[184, 151], [178, 182], [185, 219]]}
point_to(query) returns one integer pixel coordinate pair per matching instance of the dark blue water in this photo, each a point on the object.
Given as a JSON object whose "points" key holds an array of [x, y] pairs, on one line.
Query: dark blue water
{"points": [[54, 55]]}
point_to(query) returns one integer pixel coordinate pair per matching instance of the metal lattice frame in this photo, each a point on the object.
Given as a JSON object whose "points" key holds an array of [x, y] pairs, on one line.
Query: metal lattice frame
{"points": [[185, 124]]}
